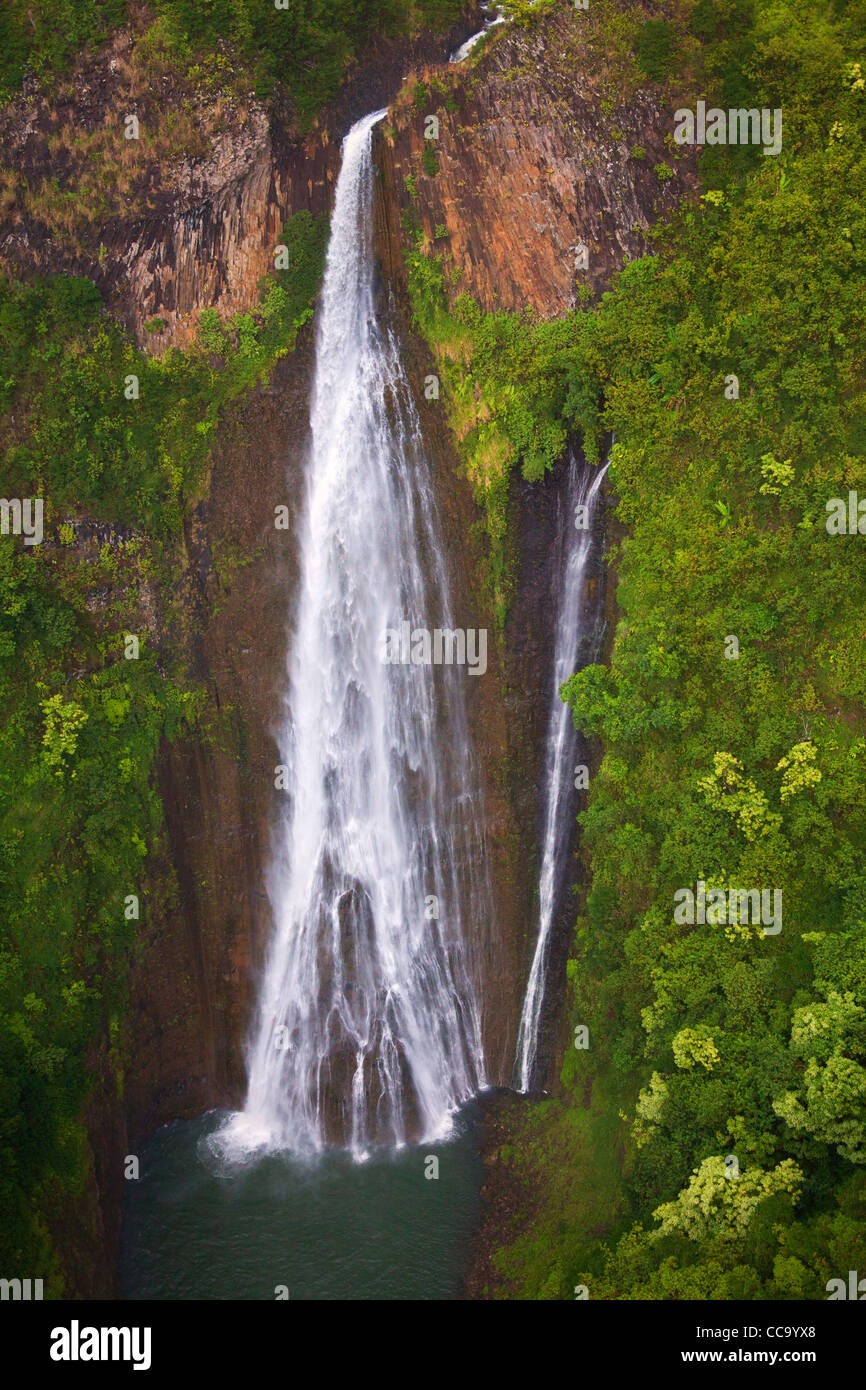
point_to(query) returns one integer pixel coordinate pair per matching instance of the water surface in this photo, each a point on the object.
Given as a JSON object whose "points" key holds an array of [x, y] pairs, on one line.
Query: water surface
{"points": [[331, 1229]]}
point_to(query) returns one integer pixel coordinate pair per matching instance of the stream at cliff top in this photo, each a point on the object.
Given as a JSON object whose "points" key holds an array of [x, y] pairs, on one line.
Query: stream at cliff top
{"points": [[327, 1229]]}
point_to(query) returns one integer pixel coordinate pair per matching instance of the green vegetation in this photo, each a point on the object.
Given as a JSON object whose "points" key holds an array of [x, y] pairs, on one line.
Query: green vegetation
{"points": [[79, 823], [307, 45], [504, 383], [42, 37], [654, 46], [80, 816], [81, 440], [717, 1041], [525, 12], [575, 1148], [742, 772]]}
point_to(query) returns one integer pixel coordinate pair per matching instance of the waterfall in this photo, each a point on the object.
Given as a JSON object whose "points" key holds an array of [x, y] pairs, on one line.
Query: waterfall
{"points": [[466, 48], [368, 1028], [574, 626]]}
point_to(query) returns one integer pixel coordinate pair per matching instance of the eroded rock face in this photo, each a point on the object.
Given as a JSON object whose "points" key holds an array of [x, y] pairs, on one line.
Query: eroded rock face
{"points": [[535, 158], [215, 252], [187, 216], [192, 228]]}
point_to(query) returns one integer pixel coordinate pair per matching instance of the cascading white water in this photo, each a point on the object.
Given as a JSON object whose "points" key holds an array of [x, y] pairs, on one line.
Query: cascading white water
{"points": [[368, 1029], [466, 48], [573, 618]]}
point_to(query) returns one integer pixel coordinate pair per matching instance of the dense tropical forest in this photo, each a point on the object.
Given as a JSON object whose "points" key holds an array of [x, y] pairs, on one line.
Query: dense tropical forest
{"points": [[724, 375]]}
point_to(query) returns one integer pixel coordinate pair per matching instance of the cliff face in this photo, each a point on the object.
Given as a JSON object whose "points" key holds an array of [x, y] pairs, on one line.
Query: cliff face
{"points": [[187, 215], [538, 153], [218, 792]]}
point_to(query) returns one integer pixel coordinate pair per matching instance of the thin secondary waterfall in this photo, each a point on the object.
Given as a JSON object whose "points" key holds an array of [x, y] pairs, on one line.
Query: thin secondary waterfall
{"points": [[574, 622], [368, 1027]]}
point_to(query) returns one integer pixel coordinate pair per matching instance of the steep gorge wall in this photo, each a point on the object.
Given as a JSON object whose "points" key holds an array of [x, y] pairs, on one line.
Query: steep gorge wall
{"points": [[537, 153], [187, 216]]}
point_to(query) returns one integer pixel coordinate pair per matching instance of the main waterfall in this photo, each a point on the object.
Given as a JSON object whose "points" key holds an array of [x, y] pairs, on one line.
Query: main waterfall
{"points": [[368, 1028], [573, 627]]}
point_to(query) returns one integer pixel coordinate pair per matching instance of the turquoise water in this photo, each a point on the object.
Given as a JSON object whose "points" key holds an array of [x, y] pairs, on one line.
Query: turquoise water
{"points": [[330, 1230]]}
